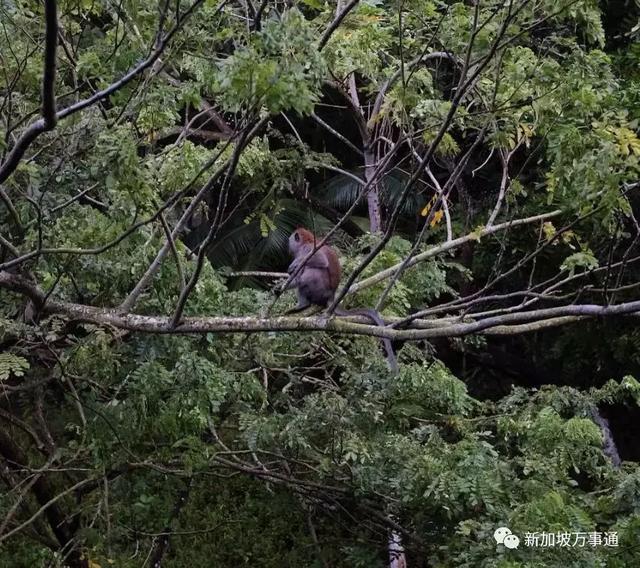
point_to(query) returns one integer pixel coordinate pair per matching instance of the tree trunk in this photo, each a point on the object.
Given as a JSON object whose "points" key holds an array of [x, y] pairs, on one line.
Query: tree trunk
{"points": [[373, 197]]}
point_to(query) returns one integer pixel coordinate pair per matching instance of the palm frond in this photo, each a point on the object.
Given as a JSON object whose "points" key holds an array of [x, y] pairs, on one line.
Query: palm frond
{"points": [[242, 247], [341, 191]]}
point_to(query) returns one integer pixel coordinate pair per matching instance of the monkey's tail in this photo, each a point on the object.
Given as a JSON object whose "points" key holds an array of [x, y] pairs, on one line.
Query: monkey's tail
{"points": [[374, 316]]}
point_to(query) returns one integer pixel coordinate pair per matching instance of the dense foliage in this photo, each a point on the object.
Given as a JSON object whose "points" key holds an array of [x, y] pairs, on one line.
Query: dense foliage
{"points": [[475, 164]]}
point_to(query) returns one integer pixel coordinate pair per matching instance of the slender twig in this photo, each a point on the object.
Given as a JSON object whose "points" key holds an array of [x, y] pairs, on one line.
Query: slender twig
{"points": [[42, 509], [245, 138], [335, 133], [174, 251], [130, 301], [74, 198]]}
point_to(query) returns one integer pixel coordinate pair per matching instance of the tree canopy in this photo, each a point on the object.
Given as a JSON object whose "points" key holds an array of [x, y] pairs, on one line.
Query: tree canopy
{"points": [[476, 166]]}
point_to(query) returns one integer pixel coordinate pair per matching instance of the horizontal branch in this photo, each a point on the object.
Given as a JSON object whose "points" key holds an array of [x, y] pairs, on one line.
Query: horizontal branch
{"points": [[449, 245], [258, 274], [422, 329], [533, 326], [197, 133]]}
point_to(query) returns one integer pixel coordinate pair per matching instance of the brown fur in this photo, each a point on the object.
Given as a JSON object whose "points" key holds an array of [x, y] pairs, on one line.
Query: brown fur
{"points": [[317, 281]]}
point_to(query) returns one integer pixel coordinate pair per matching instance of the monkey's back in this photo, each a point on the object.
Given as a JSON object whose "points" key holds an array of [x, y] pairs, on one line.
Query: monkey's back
{"points": [[318, 285], [334, 267]]}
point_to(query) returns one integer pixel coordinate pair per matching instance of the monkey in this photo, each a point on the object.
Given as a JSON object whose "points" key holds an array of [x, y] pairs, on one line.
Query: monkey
{"points": [[318, 280]]}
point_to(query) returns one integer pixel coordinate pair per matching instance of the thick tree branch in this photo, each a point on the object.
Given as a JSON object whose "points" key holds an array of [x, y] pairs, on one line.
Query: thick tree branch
{"points": [[423, 329], [333, 26], [49, 116]]}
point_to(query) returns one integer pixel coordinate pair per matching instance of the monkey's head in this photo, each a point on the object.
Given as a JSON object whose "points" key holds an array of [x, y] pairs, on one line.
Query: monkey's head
{"points": [[299, 238]]}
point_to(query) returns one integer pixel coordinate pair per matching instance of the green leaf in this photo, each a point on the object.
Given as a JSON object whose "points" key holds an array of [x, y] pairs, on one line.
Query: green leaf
{"points": [[11, 364]]}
